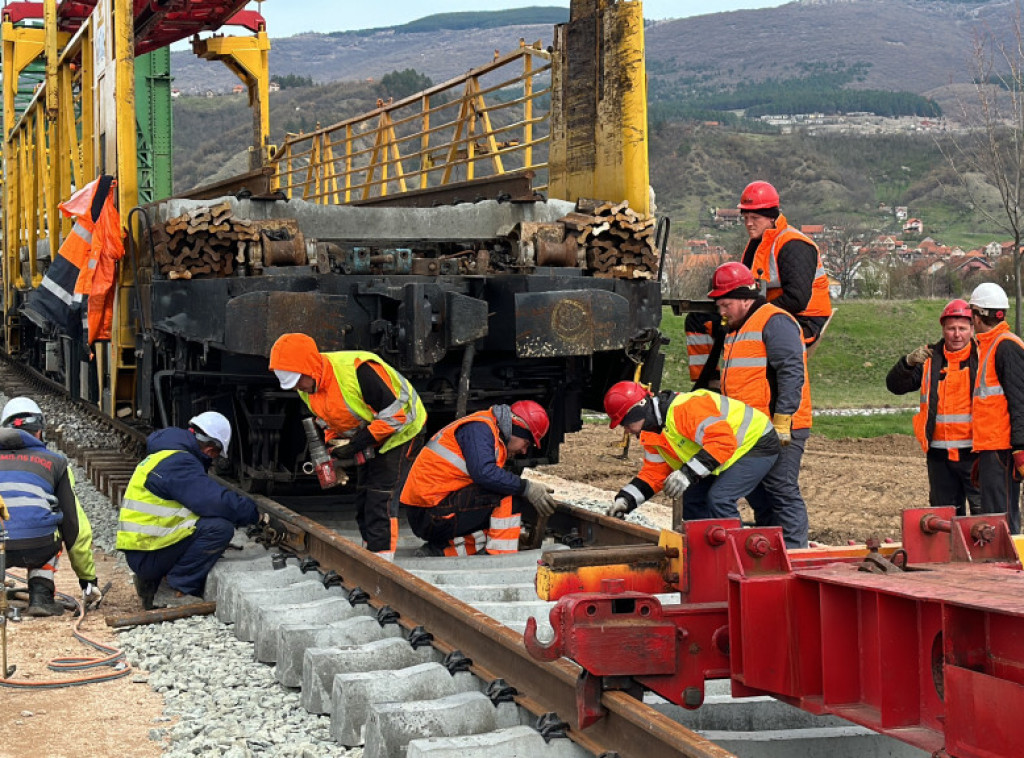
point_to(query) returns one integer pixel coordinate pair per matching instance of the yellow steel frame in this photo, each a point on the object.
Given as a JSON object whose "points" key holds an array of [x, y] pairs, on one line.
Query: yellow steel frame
{"points": [[248, 59], [474, 125]]}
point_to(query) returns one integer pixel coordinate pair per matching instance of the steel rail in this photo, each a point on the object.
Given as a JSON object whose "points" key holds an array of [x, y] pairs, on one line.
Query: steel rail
{"points": [[629, 728]]}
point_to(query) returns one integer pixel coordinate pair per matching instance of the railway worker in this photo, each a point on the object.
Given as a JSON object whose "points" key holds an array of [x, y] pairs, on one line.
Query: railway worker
{"points": [[699, 445], [997, 410], [39, 490], [175, 521], [944, 374], [764, 364], [373, 418], [786, 259], [458, 496]]}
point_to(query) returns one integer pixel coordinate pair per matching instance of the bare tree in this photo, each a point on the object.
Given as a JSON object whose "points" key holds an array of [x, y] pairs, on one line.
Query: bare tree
{"points": [[989, 153], [845, 234]]}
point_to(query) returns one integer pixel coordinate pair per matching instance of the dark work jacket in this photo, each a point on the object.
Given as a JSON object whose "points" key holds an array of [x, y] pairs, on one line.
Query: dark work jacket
{"points": [[476, 440]]}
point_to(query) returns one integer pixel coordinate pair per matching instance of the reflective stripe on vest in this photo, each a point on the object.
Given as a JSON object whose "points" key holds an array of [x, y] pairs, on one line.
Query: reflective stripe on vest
{"points": [[748, 426], [766, 259], [149, 522], [991, 417], [952, 429]]}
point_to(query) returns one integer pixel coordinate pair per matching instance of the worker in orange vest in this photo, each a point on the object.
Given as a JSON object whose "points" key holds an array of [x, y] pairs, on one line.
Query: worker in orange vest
{"points": [[944, 374], [997, 409], [373, 419], [764, 364], [458, 496], [699, 446]]}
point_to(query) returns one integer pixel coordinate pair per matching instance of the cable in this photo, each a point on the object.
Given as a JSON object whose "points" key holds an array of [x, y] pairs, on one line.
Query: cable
{"points": [[114, 657]]}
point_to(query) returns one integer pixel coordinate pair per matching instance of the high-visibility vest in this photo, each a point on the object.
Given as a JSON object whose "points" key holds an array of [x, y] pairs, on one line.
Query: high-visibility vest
{"points": [[440, 468], [148, 522], [953, 387], [989, 411], [698, 345], [765, 265], [352, 413], [747, 425], [745, 366]]}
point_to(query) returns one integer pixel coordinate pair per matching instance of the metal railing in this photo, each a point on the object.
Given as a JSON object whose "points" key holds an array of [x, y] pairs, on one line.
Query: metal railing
{"points": [[491, 121]]}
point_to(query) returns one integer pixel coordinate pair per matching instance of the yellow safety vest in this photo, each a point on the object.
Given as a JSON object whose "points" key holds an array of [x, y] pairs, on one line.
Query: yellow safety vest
{"points": [[148, 522], [747, 423]]}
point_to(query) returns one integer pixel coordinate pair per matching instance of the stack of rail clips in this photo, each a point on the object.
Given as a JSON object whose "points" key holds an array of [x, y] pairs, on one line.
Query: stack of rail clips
{"points": [[618, 240], [211, 242]]}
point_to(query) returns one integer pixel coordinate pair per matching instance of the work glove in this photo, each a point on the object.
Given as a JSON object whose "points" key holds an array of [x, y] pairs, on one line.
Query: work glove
{"points": [[540, 497], [91, 594], [342, 450], [783, 423], [618, 509], [676, 484], [919, 355], [1018, 463]]}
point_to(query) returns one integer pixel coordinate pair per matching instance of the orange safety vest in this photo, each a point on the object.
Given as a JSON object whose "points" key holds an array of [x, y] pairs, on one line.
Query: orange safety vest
{"points": [[660, 460], [698, 347], [989, 412], [766, 265], [745, 366], [952, 426], [440, 469]]}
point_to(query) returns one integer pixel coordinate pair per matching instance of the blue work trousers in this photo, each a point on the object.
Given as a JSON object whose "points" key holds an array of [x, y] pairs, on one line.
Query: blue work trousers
{"points": [[777, 501], [716, 496], [1000, 490], [185, 564]]}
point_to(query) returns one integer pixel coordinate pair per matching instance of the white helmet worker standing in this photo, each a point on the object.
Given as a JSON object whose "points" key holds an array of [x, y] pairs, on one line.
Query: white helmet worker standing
{"points": [[997, 406], [214, 426]]}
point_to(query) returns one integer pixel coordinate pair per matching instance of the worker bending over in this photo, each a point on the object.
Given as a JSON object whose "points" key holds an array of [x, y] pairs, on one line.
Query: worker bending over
{"points": [[175, 521], [38, 488], [764, 365], [372, 418], [458, 496], [944, 374], [701, 446], [997, 410]]}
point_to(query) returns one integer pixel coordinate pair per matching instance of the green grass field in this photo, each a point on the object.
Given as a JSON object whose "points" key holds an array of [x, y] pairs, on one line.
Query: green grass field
{"points": [[863, 341]]}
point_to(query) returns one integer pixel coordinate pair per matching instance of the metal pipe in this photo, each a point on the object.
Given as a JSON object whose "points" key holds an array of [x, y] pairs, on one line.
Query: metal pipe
{"points": [[462, 401]]}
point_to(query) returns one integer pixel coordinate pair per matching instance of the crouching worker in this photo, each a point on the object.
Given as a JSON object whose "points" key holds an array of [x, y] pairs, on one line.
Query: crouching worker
{"points": [[704, 447], [38, 489], [458, 496], [175, 521]]}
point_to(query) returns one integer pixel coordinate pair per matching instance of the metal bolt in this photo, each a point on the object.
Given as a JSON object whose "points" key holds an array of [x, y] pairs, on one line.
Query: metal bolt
{"points": [[758, 545], [693, 697], [715, 536], [982, 534]]}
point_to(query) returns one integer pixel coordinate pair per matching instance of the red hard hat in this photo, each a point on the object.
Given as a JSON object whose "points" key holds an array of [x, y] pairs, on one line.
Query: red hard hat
{"points": [[758, 195], [731, 276], [958, 308], [533, 416], [621, 398]]}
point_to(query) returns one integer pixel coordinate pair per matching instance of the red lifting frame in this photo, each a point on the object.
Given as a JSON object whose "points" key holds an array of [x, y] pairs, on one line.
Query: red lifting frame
{"points": [[932, 655]]}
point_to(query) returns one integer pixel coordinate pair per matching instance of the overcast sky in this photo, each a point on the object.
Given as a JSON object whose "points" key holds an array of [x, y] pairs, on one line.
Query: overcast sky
{"points": [[288, 17]]}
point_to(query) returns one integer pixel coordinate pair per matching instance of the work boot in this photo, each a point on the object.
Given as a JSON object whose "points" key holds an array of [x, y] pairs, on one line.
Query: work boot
{"points": [[40, 598], [146, 590], [429, 550]]}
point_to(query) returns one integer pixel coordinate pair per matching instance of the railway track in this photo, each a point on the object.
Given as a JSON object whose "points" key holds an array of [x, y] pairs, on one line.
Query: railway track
{"points": [[460, 616]]}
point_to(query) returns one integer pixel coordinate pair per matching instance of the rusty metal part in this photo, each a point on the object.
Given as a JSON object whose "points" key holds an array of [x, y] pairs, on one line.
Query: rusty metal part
{"points": [[283, 243], [161, 614], [628, 727], [564, 253], [255, 184], [515, 188]]}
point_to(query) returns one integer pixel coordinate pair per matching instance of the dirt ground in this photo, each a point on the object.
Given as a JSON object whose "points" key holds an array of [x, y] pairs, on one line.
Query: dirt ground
{"points": [[854, 489]]}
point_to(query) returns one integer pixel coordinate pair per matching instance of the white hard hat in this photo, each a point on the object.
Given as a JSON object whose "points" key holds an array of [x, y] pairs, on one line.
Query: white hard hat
{"points": [[17, 407], [990, 297], [214, 425], [288, 379]]}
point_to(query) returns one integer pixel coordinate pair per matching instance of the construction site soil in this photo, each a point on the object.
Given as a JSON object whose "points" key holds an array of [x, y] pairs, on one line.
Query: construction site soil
{"points": [[854, 489]]}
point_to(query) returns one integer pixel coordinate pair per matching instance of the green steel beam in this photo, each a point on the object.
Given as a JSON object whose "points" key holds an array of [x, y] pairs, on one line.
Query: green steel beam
{"points": [[153, 112]]}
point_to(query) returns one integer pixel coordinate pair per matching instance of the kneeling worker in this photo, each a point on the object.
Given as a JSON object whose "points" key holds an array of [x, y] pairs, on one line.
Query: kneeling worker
{"points": [[373, 417], [701, 446], [175, 521], [459, 498], [39, 490]]}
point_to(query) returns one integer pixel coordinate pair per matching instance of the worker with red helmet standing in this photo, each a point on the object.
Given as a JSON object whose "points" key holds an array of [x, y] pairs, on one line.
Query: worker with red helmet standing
{"points": [[701, 446], [997, 409], [944, 374], [764, 364], [786, 259], [459, 498]]}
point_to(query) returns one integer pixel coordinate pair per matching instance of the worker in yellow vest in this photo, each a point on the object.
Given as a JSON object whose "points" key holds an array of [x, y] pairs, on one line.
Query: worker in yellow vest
{"points": [[701, 446], [372, 417]]}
